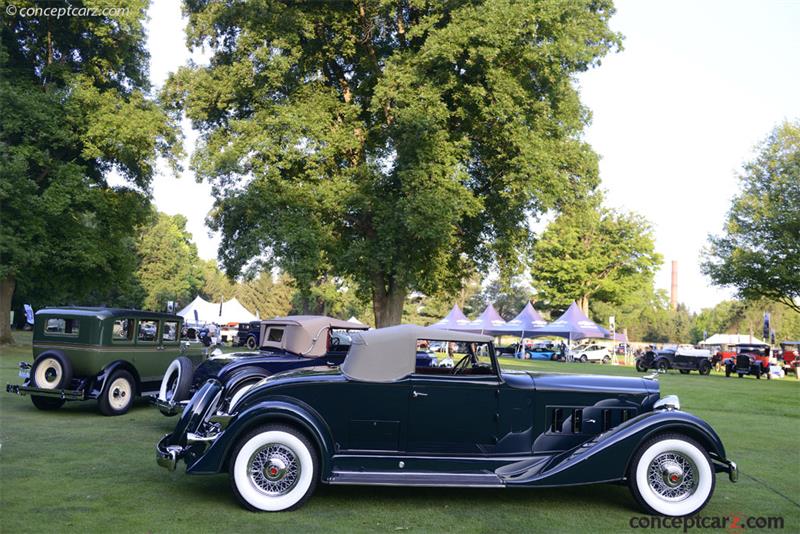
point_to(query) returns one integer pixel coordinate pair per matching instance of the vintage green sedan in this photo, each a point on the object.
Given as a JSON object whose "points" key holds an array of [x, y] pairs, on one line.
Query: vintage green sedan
{"points": [[382, 419], [107, 354]]}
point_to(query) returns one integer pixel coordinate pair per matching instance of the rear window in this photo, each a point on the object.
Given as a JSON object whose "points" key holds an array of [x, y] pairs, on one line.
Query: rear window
{"points": [[62, 326], [275, 334]]}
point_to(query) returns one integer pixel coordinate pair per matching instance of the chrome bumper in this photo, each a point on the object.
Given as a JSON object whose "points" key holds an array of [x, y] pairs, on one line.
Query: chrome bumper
{"points": [[167, 456], [733, 471], [168, 408], [726, 466], [41, 392]]}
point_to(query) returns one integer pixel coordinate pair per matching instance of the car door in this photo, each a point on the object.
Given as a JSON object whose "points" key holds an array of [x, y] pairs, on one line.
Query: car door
{"points": [[376, 416], [149, 350], [455, 414]]}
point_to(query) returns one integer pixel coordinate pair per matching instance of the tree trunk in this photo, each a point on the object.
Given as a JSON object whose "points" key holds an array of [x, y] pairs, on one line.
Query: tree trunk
{"points": [[583, 304], [6, 292], [387, 301]]}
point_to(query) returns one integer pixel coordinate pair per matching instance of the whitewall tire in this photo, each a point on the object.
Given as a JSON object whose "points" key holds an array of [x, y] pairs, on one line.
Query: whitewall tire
{"points": [[273, 469], [672, 475], [177, 381], [118, 393]]}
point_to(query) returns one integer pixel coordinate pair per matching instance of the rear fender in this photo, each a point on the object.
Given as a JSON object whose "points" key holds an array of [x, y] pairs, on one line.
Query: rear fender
{"points": [[607, 457], [285, 410], [99, 381]]}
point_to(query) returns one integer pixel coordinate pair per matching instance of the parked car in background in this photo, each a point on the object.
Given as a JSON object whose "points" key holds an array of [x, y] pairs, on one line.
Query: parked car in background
{"points": [[541, 352], [751, 359], [591, 353], [108, 354], [789, 355], [290, 342], [685, 358], [249, 335], [380, 419], [722, 353]]}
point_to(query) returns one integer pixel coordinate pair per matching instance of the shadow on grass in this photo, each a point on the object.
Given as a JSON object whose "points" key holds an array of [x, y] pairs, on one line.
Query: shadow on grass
{"points": [[217, 489]]}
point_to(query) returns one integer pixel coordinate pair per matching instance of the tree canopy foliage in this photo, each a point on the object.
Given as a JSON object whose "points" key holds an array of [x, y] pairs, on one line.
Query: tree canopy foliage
{"points": [[169, 268], [74, 95], [759, 250], [589, 251], [390, 142]]}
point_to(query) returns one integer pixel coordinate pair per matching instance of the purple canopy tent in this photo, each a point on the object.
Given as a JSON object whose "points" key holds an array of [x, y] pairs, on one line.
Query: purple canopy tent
{"points": [[455, 320], [526, 321], [488, 322], [572, 324]]}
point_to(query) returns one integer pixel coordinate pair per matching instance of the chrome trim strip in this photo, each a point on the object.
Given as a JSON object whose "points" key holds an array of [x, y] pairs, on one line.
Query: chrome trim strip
{"points": [[401, 475], [442, 457]]}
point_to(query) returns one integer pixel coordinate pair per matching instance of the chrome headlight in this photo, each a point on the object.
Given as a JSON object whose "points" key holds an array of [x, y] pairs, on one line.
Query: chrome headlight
{"points": [[670, 402]]}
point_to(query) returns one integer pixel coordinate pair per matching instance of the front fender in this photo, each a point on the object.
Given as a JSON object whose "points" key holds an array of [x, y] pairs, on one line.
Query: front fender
{"points": [[607, 458], [272, 410]]}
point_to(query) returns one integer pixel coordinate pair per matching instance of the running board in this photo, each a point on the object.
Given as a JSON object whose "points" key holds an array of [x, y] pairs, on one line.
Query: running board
{"points": [[394, 478]]}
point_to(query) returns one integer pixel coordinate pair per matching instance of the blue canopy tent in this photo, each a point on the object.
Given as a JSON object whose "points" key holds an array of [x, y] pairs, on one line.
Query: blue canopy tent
{"points": [[572, 324]]}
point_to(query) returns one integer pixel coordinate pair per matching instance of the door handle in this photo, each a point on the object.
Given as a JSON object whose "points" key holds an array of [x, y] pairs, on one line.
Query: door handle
{"points": [[416, 394]]}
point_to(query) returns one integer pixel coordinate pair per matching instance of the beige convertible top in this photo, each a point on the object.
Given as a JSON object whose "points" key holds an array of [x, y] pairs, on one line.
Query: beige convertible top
{"points": [[303, 334], [389, 354]]}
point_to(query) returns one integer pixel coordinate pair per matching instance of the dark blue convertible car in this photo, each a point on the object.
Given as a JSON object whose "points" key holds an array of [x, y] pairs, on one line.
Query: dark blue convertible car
{"points": [[380, 419]]}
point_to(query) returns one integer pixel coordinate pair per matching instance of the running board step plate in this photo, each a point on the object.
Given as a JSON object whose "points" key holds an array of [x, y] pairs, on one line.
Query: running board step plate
{"points": [[485, 480]]}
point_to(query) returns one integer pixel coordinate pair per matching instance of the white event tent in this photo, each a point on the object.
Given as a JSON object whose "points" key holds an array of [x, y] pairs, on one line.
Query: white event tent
{"points": [[202, 311], [731, 339]]}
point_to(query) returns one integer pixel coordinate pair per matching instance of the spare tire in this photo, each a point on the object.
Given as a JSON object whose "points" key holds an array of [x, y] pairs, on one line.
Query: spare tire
{"points": [[177, 381], [51, 370]]}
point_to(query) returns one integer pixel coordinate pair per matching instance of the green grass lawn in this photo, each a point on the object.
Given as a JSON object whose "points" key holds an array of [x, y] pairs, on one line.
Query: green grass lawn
{"points": [[75, 470]]}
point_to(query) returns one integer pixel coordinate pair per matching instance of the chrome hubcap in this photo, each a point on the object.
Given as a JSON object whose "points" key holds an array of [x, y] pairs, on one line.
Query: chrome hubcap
{"points": [[672, 476], [274, 469]]}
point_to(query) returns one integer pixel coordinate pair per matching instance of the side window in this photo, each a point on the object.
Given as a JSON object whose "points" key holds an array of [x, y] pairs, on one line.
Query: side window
{"points": [[122, 331], [170, 331], [148, 331], [467, 354], [58, 326]]}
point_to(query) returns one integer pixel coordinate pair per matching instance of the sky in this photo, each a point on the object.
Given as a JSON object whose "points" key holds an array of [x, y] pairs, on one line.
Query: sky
{"points": [[675, 114]]}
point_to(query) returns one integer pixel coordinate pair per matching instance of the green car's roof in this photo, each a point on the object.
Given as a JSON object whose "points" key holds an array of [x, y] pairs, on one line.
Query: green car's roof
{"points": [[105, 313]]}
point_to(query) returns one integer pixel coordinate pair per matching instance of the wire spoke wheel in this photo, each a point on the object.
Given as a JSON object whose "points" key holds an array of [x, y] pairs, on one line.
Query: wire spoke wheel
{"points": [[274, 469], [673, 476]]}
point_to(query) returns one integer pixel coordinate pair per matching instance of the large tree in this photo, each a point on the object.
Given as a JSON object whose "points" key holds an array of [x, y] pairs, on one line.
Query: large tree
{"points": [[267, 296], [590, 251], [759, 250], [73, 94], [392, 142], [169, 268]]}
